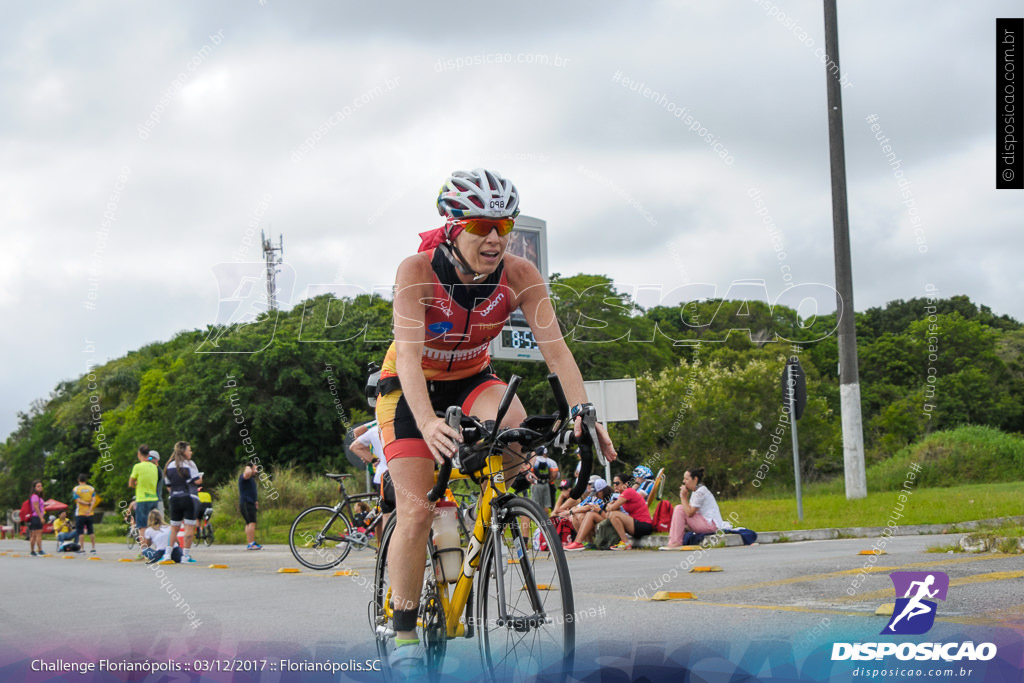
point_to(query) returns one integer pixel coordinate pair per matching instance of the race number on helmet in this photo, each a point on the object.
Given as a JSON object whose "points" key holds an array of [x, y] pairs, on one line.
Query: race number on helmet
{"points": [[478, 194]]}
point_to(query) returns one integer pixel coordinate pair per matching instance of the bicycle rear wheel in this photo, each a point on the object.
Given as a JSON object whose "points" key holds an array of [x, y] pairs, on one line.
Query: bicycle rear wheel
{"points": [[319, 537], [208, 534], [536, 634], [133, 536]]}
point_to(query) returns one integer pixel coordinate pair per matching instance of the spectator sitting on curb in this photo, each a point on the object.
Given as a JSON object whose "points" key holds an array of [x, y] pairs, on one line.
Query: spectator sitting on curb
{"points": [[698, 512], [643, 481], [588, 514], [567, 502], [628, 513], [564, 502]]}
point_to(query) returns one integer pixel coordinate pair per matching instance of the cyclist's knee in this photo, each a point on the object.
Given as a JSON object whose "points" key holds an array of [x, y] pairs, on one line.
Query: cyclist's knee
{"points": [[416, 514]]}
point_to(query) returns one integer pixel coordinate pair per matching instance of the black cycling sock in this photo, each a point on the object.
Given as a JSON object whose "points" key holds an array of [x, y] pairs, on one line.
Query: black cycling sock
{"points": [[405, 620]]}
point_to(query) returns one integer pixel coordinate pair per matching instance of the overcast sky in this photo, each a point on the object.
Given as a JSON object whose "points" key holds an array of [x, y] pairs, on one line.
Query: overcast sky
{"points": [[146, 143]]}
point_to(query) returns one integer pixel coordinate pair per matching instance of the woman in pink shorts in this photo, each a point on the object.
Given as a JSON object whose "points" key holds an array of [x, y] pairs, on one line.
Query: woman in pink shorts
{"points": [[698, 512]]}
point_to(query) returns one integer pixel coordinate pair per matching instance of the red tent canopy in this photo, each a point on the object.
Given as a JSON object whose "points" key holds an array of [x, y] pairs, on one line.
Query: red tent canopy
{"points": [[54, 505]]}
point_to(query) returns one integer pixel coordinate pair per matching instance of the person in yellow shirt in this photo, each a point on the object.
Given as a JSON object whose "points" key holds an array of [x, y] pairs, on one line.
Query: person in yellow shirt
{"points": [[145, 479], [63, 529], [85, 504]]}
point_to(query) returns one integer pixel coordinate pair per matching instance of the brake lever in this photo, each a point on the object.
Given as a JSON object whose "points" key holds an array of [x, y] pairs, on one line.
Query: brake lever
{"points": [[590, 426]]}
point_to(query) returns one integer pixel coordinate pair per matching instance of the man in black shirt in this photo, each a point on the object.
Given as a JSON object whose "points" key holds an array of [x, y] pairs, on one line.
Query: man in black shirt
{"points": [[247, 504]]}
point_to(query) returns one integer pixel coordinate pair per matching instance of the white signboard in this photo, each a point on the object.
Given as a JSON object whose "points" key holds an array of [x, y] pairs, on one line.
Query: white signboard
{"points": [[614, 399]]}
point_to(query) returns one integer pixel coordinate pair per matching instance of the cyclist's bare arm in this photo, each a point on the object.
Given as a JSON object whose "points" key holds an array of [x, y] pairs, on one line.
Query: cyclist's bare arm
{"points": [[413, 288], [532, 297]]}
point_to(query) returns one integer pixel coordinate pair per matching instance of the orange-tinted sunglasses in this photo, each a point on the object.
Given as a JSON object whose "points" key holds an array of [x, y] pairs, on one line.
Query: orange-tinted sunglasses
{"points": [[483, 226]]}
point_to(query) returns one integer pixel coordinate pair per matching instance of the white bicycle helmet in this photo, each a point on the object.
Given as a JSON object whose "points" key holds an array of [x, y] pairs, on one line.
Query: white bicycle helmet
{"points": [[478, 194]]}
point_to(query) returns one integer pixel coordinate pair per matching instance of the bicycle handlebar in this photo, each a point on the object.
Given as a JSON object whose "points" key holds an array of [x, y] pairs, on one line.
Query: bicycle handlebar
{"points": [[556, 389], [495, 437], [587, 445]]}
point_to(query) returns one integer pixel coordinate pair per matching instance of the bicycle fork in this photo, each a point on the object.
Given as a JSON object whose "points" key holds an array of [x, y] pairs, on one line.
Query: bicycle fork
{"points": [[524, 623]]}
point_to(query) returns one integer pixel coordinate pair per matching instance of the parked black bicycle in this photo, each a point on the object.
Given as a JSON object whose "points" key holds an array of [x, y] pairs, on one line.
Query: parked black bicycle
{"points": [[322, 536]]}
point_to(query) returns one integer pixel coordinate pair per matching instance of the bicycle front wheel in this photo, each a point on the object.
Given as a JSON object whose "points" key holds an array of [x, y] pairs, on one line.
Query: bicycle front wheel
{"points": [[525, 602], [319, 537], [431, 622], [132, 537]]}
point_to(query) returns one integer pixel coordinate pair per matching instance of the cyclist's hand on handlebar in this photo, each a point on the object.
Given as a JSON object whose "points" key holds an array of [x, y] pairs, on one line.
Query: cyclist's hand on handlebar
{"points": [[607, 449], [438, 436]]}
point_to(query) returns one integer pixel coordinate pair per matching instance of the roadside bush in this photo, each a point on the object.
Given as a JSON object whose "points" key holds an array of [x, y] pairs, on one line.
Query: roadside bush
{"points": [[965, 455]]}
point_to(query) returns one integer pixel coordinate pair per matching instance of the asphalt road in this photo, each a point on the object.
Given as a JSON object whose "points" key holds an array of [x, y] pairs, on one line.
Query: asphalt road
{"points": [[774, 610]]}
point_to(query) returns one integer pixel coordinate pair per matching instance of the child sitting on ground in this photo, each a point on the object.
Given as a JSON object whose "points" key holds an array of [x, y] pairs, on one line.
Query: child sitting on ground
{"points": [[158, 537]]}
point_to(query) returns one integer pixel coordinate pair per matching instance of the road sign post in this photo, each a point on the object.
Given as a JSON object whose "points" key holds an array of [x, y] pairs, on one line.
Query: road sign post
{"points": [[794, 396]]}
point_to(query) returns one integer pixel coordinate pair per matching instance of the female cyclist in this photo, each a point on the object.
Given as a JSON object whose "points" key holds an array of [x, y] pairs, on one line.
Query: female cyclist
{"points": [[183, 478], [451, 299]]}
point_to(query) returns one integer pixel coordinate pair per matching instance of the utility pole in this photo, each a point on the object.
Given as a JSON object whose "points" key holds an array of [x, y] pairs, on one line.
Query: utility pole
{"points": [[273, 260], [849, 381]]}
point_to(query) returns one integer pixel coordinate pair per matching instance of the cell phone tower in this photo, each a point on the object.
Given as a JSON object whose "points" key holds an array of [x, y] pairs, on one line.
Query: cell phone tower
{"points": [[273, 256]]}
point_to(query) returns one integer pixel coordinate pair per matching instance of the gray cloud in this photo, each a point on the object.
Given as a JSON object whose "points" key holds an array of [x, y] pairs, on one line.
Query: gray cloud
{"points": [[280, 118]]}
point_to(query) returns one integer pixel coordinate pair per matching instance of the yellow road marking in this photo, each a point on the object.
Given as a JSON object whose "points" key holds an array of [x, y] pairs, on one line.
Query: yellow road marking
{"points": [[874, 569], [963, 581]]}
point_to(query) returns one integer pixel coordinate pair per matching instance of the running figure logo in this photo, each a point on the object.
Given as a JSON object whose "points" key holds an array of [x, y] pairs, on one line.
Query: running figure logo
{"points": [[914, 614]]}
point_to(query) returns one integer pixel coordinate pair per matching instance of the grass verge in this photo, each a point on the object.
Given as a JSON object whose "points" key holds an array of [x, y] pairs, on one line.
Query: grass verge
{"points": [[821, 510], [922, 506]]}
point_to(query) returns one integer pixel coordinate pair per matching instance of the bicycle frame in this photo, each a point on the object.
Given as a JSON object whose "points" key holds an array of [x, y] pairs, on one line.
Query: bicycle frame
{"points": [[455, 598], [455, 604], [495, 508]]}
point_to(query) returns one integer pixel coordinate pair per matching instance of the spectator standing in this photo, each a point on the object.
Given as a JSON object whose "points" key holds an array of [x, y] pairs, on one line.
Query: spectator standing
{"points": [[183, 478], [628, 513], [698, 512], [368, 446], [541, 470], [35, 520], [154, 458], [248, 504], [144, 478], [85, 504]]}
